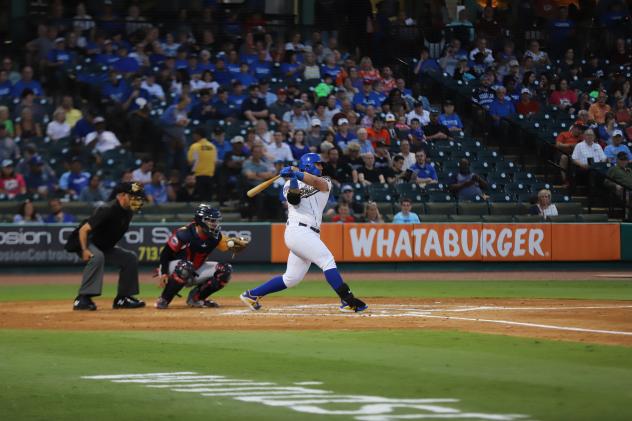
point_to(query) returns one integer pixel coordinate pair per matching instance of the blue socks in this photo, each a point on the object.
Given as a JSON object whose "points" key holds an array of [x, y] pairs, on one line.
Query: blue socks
{"points": [[333, 278], [273, 285]]}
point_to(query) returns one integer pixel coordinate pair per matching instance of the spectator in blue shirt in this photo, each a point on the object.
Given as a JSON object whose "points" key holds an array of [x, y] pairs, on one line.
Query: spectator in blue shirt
{"points": [[59, 56], [221, 74], [425, 172], [232, 64], [330, 67], [74, 181], [223, 107], [156, 191], [125, 64], [501, 107], [237, 97], [366, 97], [5, 84], [262, 67], [107, 56], [203, 109], [449, 118], [27, 82], [116, 88], [57, 213], [617, 146], [405, 216], [244, 75]]}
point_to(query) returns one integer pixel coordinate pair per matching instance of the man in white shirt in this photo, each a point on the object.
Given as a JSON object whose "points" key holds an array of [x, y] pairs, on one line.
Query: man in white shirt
{"points": [[58, 128], [419, 113], [481, 47], [588, 152], [142, 174], [279, 150], [101, 140], [154, 89]]}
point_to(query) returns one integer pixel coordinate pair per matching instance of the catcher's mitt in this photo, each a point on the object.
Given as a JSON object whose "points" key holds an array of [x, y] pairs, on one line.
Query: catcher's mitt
{"points": [[237, 244]]}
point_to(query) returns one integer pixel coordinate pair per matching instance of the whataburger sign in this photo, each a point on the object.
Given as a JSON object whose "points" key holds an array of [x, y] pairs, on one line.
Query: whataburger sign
{"points": [[463, 242]]}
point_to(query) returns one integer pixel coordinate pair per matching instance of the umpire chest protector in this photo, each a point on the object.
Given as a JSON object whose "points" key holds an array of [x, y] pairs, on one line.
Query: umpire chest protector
{"points": [[187, 244]]}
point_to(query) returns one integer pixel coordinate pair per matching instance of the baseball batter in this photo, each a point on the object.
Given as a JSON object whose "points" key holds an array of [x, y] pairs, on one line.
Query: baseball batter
{"points": [[306, 193]]}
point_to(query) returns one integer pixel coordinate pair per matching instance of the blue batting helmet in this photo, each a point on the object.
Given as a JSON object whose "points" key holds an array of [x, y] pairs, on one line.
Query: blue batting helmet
{"points": [[307, 161], [208, 219]]}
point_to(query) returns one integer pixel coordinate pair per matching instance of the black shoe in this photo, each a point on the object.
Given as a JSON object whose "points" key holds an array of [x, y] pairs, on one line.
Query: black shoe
{"points": [[127, 302], [84, 302]]}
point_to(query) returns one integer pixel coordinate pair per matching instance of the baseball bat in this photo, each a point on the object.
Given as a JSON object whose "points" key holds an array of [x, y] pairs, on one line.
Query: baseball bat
{"points": [[261, 187]]}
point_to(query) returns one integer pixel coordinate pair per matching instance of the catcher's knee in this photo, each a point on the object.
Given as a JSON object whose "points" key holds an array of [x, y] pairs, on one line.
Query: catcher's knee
{"points": [[223, 273]]}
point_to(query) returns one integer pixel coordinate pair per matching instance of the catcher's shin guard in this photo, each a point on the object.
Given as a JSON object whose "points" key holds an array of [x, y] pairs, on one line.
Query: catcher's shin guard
{"points": [[172, 288], [218, 281]]}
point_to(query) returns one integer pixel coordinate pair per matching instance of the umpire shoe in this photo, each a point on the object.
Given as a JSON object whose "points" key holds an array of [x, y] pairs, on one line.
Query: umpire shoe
{"points": [[127, 302], [250, 300], [357, 307], [84, 302]]}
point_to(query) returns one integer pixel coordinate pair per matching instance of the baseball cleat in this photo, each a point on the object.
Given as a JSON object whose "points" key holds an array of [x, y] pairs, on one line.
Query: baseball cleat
{"points": [[348, 308], [250, 300], [84, 302], [127, 302], [161, 303]]}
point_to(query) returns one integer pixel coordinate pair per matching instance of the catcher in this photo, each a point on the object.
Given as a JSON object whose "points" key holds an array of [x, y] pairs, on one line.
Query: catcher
{"points": [[183, 259]]}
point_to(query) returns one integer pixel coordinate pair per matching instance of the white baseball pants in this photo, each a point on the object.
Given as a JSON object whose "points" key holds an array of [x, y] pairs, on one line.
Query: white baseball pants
{"points": [[306, 248]]}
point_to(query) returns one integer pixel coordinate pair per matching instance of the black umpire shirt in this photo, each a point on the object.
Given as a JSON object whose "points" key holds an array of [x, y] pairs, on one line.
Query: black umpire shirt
{"points": [[109, 223]]}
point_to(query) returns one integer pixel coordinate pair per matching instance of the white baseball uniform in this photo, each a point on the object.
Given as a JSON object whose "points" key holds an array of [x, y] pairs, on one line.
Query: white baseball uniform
{"points": [[302, 235]]}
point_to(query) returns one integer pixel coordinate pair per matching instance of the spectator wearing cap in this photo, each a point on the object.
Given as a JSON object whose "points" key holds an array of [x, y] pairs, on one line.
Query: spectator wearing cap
{"points": [[12, 183], [347, 197], [588, 151], [434, 130], [94, 192], [353, 158], [202, 157], [9, 149], [617, 146], [313, 137], [565, 143], [449, 118], [378, 133], [254, 107], [279, 107], [298, 146], [57, 214], [621, 173], [405, 215], [527, 106], [101, 140], [419, 113], [298, 118], [343, 134], [424, 171], [59, 56], [597, 111], [365, 98], [27, 82], [74, 181], [563, 97], [40, 178]]}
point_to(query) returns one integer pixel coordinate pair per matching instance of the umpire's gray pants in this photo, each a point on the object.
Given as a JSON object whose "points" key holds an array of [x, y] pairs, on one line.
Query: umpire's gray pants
{"points": [[125, 260]]}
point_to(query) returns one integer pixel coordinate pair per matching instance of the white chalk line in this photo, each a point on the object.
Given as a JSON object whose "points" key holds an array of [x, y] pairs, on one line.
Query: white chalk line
{"points": [[426, 311]]}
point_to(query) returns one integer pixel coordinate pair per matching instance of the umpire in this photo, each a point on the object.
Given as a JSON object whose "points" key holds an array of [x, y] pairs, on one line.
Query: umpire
{"points": [[95, 242]]}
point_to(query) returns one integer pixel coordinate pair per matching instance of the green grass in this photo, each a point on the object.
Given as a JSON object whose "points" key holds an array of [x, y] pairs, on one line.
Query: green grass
{"points": [[602, 289], [547, 380]]}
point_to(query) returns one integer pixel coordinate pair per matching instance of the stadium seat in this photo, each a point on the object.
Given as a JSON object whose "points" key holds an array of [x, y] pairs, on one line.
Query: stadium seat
{"points": [[563, 218], [501, 208], [592, 217], [570, 208], [465, 218], [385, 208], [528, 218], [434, 218], [440, 196], [473, 208], [434, 208], [497, 218]]}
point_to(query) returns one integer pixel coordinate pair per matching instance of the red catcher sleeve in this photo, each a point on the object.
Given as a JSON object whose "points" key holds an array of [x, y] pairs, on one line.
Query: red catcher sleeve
{"points": [[174, 242]]}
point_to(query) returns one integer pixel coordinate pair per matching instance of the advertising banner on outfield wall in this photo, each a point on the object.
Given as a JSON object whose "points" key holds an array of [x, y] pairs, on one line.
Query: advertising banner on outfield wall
{"points": [[44, 244], [463, 242]]}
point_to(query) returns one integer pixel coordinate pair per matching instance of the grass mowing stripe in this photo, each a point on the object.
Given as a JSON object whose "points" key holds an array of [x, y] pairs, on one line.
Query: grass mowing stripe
{"points": [[602, 289], [495, 374]]}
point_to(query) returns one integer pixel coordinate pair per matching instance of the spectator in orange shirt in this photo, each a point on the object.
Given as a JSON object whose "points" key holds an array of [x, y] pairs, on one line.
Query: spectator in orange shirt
{"points": [[527, 106], [367, 71], [565, 143], [377, 132], [599, 109]]}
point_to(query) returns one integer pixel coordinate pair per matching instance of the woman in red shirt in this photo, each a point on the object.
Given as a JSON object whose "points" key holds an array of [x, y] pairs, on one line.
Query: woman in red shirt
{"points": [[563, 97], [11, 183], [527, 106], [367, 71]]}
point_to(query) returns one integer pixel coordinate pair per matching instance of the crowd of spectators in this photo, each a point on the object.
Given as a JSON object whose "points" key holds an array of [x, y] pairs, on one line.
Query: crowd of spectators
{"points": [[210, 109]]}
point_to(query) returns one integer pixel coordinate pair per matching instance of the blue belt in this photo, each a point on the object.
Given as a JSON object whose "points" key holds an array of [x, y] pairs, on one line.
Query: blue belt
{"points": [[300, 224]]}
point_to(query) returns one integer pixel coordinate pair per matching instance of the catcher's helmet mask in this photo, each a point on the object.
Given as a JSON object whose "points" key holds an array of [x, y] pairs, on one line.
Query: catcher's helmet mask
{"points": [[209, 219]]}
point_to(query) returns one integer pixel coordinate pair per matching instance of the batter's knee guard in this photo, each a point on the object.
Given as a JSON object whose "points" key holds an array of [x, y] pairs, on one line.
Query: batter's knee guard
{"points": [[220, 278]]}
